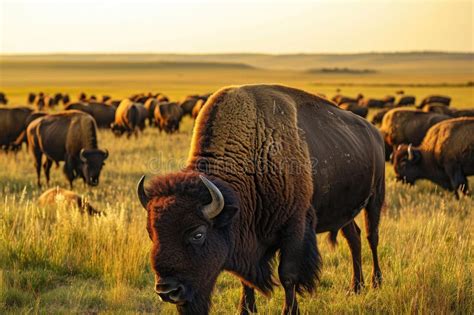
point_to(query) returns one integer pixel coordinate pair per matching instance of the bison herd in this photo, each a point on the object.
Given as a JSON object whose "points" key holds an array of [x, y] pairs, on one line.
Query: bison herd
{"points": [[269, 167]]}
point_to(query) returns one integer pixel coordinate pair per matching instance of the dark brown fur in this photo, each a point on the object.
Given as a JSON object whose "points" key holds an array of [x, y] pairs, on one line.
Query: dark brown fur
{"points": [[446, 156], [276, 154], [168, 116], [12, 124]]}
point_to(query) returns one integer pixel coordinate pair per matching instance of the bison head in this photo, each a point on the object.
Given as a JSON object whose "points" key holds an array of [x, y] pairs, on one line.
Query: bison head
{"points": [[406, 161], [92, 162], [189, 223]]}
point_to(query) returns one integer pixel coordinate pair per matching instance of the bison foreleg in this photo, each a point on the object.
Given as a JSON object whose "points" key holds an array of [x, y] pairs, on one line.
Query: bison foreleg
{"points": [[38, 155], [372, 220], [247, 300], [69, 170], [457, 179], [351, 233]]}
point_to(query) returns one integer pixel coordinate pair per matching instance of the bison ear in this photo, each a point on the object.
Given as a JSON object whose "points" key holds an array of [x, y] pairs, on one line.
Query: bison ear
{"points": [[225, 217]]}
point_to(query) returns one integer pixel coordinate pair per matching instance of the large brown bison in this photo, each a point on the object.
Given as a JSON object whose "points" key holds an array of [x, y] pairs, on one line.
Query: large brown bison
{"points": [[445, 100], [446, 156], [406, 101], [355, 108], [269, 166], [168, 116], [405, 126], [67, 198], [69, 136], [103, 114], [12, 124]]}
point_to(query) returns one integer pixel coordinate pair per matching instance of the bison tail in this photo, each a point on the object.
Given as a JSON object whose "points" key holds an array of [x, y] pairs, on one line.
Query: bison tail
{"points": [[332, 238], [310, 269]]}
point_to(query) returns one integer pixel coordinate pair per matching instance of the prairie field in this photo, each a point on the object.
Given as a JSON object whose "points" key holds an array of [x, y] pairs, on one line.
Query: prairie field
{"points": [[55, 260]]}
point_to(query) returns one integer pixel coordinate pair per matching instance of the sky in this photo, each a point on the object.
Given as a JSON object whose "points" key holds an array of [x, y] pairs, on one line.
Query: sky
{"points": [[210, 26]]}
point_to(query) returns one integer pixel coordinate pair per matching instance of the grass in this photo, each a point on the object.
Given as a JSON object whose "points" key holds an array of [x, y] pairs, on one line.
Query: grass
{"points": [[53, 260]]}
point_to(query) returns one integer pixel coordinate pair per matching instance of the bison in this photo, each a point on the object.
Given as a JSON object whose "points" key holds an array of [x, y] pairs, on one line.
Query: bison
{"points": [[405, 126], [16, 145], [3, 99], [127, 118], [67, 198], [443, 109], [355, 108], [340, 99], [406, 101], [445, 100], [103, 114], [69, 136], [445, 157], [188, 104], [168, 116], [269, 167], [12, 124]]}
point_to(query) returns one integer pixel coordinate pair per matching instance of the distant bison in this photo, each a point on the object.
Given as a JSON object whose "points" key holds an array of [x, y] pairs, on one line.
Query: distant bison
{"points": [[443, 109], [405, 126], [12, 124], [372, 103], [377, 118], [355, 108], [69, 136], [59, 196], [406, 101], [3, 99], [341, 99], [129, 117], [168, 116], [103, 114], [269, 167], [445, 100], [446, 156]]}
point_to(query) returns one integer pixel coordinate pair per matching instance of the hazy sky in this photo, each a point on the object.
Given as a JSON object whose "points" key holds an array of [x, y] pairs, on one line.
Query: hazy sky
{"points": [[202, 26]]}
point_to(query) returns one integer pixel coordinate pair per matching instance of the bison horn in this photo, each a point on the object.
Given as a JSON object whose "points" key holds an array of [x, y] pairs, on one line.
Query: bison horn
{"points": [[106, 153], [217, 204], [410, 152], [82, 157], [142, 196]]}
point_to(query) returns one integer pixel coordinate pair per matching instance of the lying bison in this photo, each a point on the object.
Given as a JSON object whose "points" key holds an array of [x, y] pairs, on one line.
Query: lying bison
{"points": [[168, 116], [69, 136], [405, 126], [445, 100], [355, 108], [446, 156], [269, 167], [13, 122], [67, 198]]}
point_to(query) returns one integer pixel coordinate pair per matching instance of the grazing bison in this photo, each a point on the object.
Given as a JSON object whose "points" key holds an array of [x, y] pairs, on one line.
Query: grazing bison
{"points": [[446, 156], [12, 124], [168, 116], [443, 109], [355, 108], [445, 100], [269, 166], [372, 103], [377, 118], [406, 101], [126, 119], [340, 99], [3, 99], [59, 196], [69, 136], [405, 126]]}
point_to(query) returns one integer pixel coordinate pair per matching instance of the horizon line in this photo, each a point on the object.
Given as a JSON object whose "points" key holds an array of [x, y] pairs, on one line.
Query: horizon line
{"points": [[11, 54]]}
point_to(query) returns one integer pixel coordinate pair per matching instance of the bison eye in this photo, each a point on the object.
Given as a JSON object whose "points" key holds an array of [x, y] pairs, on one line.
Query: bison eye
{"points": [[198, 236]]}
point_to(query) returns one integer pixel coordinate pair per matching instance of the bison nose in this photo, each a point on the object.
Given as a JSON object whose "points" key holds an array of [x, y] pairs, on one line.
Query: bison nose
{"points": [[170, 290]]}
